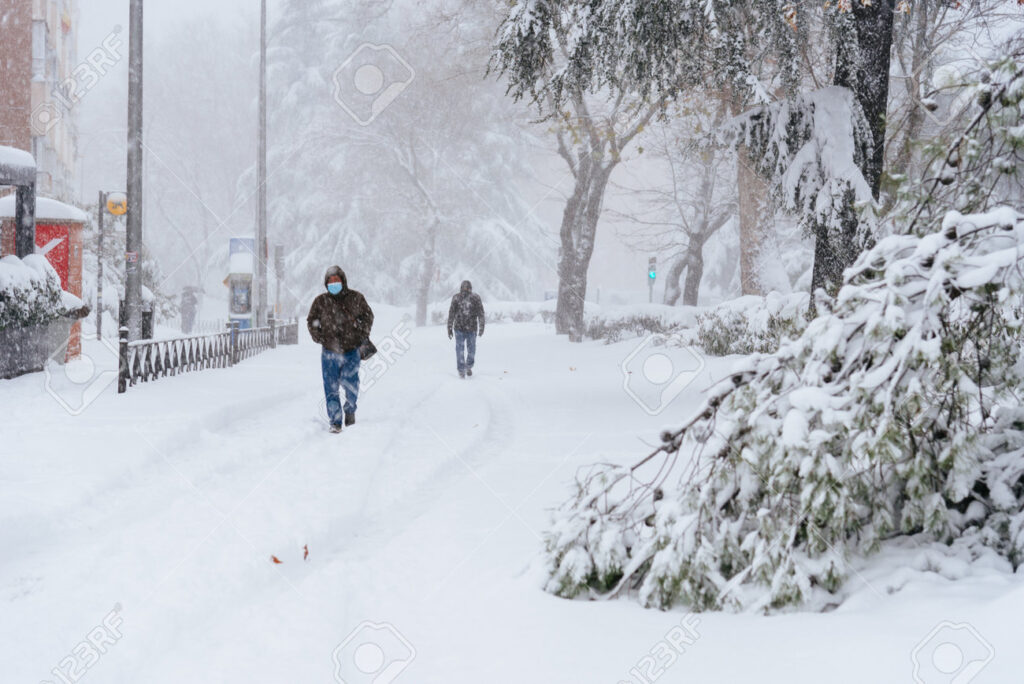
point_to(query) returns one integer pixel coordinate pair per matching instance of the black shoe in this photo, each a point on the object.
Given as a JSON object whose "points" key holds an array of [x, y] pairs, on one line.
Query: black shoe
{"points": [[469, 372], [350, 419], [335, 429]]}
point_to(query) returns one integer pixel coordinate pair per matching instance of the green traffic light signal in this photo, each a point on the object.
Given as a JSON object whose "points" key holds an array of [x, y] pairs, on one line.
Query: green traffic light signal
{"points": [[653, 275]]}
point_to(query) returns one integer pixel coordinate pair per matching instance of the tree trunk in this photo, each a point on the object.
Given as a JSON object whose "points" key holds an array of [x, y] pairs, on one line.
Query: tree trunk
{"points": [[863, 66], [694, 272], [920, 53], [429, 265], [672, 290], [572, 290], [751, 190], [567, 295], [567, 261], [578, 232], [834, 253], [823, 257]]}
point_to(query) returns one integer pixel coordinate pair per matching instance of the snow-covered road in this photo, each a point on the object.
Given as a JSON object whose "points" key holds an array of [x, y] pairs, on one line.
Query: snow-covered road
{"points": [[151, 518]]}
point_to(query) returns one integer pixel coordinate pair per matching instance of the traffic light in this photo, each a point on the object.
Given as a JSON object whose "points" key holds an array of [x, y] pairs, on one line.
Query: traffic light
{"points": [[652, 268]]}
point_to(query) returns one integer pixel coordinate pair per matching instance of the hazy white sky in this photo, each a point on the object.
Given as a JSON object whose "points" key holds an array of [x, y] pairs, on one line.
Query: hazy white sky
{"points": [[97, 17], [103, 109]]}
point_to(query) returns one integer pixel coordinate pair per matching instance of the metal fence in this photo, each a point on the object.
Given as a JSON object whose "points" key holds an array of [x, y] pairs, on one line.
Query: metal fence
{"points": [[147, 360]]}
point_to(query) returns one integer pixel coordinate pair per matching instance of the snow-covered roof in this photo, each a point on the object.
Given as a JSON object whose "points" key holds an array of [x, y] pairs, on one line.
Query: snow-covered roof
{"points": [[46, 210], [17, 167], [12, 156], [240, 262]]}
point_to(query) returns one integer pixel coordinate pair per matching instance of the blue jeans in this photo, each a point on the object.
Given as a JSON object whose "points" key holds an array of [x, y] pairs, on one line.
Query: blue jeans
{"points": [[465, 350], [340, 370]]}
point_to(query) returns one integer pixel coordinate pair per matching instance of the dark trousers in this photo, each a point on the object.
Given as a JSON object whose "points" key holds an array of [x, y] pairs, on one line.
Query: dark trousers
{"points": [[465, 350], [340, 371]]}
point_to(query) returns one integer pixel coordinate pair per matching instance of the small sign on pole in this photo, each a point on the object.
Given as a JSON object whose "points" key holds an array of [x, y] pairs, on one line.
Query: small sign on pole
{"points": [[131, 257], [117, 203]]}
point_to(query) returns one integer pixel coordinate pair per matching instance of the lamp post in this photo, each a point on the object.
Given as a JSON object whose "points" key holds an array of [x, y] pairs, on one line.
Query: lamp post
{"points": [[133, 237], [99, 265], [278, 277], [261, 178], [117, 204]]}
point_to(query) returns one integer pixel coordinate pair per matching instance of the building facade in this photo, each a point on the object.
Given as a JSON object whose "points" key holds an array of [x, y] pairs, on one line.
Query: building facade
{"points": [[38, 58]]}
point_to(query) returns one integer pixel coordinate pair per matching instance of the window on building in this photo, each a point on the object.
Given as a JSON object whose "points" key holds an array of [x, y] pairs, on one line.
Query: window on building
{"points": [[39, 50]]}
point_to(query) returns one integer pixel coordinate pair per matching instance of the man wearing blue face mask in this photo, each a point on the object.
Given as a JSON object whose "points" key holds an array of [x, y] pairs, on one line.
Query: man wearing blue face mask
{"points": [[340, 321]]}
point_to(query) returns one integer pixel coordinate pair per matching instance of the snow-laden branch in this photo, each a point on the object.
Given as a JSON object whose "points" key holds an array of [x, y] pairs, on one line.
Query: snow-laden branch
{"points": [[893, 414], [811, 149]]}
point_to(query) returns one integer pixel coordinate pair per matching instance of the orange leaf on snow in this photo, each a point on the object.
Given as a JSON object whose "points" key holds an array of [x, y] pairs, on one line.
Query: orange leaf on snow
{"points": [[275, 559], [305, 552]]}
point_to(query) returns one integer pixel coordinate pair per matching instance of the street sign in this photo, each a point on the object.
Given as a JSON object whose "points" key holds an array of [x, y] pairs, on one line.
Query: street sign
{"points": [[131, 257], [117, 203]]}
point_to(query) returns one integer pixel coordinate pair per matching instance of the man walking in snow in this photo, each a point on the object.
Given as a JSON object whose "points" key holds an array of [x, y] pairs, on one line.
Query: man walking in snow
{"points": [[465, 322], [340, 321]]}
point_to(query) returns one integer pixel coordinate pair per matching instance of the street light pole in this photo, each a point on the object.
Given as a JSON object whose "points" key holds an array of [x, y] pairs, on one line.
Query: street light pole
{"points": [[261, 179], [133, 238], [100, 209], [278, 277], [652, 274]]}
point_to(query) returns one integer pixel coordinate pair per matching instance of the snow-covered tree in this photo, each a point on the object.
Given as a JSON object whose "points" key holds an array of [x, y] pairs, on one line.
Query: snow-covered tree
{"points": [[591, 135], [592, 132], [897, 412], [200, 189], [813, 148], [681, 214], [933, 43], [423, 196], [154, 279], [755, 50]]}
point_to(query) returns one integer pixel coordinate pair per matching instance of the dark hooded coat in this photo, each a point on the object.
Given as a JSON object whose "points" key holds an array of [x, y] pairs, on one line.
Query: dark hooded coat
{"points": [[341, 322], [466, 313]]}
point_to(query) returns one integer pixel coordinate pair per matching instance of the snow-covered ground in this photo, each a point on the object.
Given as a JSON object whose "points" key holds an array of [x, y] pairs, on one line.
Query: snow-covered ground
{"points": [[137, 536]]}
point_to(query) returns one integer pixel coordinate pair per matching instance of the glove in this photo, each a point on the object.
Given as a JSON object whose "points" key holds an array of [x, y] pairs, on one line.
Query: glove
{"points": [[450, 334], [480, 334]]}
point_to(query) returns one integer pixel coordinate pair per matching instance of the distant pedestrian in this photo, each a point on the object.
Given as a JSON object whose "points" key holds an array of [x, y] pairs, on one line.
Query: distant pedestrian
{"points": [[465, 322], [340, 321]]}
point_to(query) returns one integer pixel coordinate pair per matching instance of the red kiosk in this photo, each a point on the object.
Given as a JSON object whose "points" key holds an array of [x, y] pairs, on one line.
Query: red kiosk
{"points": [[59, 238]]}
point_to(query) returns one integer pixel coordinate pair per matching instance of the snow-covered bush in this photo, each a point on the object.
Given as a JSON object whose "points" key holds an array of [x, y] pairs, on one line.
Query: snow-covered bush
{"points": [[30, 292], [615, 329], [751, 324], [897, 412], [503, 312], [880, 419], [616, 323]]}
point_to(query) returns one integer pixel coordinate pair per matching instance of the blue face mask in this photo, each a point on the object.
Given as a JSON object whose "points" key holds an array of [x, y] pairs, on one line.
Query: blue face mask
{"points": [[334, 288]]}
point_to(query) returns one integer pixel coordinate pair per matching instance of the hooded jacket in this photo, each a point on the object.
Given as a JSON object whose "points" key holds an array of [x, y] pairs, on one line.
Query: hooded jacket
{"points": [[341, 322], [467, 311]]}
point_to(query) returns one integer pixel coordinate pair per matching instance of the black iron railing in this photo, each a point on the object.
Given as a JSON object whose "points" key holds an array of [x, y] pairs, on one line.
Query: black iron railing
{"points": [[147, 360]]}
